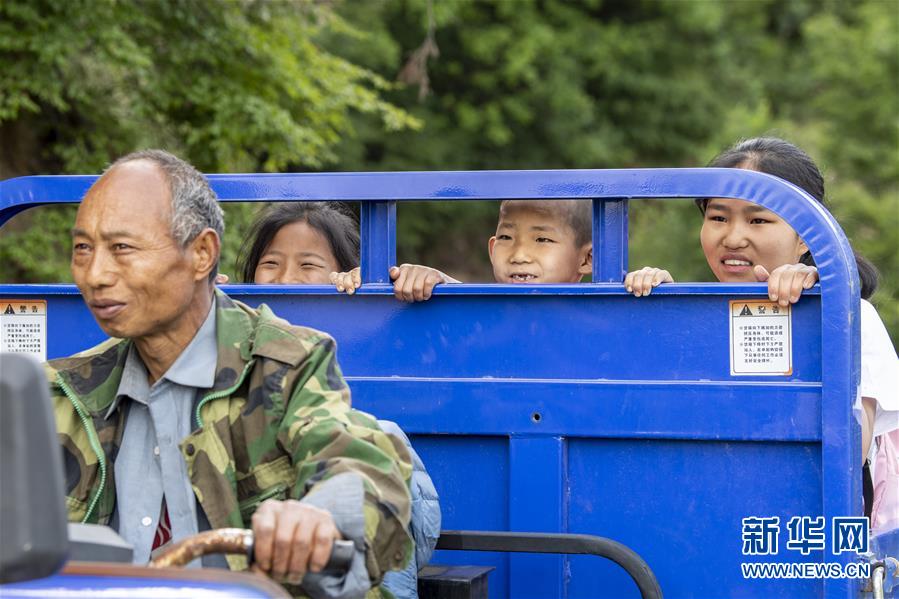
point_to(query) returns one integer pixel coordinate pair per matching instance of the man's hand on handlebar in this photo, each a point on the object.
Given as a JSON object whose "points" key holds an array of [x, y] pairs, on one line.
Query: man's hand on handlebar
{"points": [[292, 538]]}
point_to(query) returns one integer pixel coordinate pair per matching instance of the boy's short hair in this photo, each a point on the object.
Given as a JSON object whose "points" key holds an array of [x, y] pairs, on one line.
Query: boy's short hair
{"points": [[577, 214]]}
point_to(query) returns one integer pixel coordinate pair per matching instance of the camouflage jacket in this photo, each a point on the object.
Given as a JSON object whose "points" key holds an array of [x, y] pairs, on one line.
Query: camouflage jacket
{"points": [[276, 423]]}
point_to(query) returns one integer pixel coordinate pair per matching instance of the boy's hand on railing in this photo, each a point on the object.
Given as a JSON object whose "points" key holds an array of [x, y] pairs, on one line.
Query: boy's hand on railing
{"points": [[411, 282], [414, 282], [347, 281], [640, 282], [786, 282]]}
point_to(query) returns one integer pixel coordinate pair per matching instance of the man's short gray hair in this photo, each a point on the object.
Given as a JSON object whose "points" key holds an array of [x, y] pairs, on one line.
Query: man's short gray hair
{"points": [[195, 206]]}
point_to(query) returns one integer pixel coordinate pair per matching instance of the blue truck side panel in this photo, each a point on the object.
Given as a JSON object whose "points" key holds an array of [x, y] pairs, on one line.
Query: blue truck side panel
{"points": [[577, 408]]}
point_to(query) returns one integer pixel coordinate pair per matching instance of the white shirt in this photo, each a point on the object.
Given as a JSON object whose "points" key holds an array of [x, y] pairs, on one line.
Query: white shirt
{"points": [[880, 372]]}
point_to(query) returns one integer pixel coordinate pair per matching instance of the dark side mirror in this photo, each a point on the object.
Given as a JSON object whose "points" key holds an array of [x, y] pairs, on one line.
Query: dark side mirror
{"points": [[34, 542]]}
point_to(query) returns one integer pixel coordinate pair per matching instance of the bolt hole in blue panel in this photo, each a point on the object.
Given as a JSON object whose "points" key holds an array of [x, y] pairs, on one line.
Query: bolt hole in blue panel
{"points": [[645, 495]]}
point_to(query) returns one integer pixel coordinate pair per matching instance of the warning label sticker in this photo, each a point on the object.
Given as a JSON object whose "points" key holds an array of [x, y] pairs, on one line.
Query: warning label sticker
{"points": [[760, 338], [23, 327]]}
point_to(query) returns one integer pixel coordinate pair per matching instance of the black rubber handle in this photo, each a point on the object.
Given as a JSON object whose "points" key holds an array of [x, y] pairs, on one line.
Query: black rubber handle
{"points": [[339, 561], [341, 557]]}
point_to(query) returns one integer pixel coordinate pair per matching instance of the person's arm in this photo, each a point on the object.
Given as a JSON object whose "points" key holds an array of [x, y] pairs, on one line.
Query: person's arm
{"points": [[411, 282], [879, 403], [869, 408], [426, 518], [350, 475]]}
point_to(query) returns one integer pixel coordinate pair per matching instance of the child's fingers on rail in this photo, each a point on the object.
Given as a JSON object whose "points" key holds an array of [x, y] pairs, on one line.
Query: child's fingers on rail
{"points": [[346, 281], [418, 283], [779, 282], [428, 281], [761, 273], [640, 282], [779, 286], [629, 282], [407, 291], [400, 284], [412, 287], [810, 278], [660, 276], [420, 291], [414, 282], [804, 277], [634, 282], [786, 282]]}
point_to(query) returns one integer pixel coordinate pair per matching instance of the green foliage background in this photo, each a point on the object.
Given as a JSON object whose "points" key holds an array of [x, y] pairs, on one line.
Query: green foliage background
{"points": [[456, 84]]}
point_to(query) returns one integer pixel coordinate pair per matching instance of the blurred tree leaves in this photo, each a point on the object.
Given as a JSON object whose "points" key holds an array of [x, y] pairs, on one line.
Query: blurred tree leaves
{"points": [[230, 86]]}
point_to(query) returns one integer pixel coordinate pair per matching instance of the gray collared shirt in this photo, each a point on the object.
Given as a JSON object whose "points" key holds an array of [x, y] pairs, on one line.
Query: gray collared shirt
{"points": [[149, 465]]}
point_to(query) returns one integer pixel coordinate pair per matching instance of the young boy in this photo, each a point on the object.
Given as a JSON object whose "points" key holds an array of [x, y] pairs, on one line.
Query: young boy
{"points": [[536, 241]]}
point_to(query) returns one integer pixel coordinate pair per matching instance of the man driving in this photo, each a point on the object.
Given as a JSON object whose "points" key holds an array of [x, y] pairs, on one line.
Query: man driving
{"points": [[204, 413]]}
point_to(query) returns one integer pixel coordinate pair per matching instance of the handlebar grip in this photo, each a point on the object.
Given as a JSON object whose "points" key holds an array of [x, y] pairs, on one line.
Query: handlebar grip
{"points": [[339, 561], [341, 556], [239, 541]]}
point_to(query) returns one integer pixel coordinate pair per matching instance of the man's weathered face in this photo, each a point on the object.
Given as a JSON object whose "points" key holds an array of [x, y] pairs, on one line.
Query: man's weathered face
{"points": [[135, 278]]}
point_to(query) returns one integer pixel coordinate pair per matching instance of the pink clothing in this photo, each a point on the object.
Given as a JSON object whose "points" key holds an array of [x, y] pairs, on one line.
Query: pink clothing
{"points": [[885, 507]]}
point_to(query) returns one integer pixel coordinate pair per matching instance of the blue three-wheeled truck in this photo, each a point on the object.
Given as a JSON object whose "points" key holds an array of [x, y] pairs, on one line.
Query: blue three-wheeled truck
{"points": [[584, 443]]}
